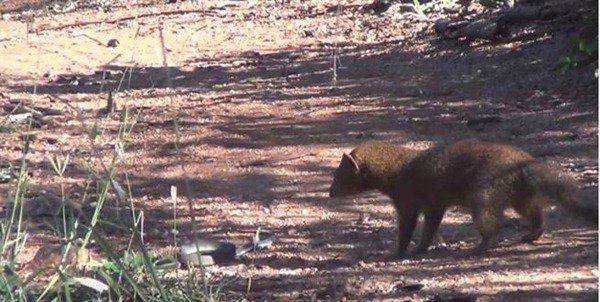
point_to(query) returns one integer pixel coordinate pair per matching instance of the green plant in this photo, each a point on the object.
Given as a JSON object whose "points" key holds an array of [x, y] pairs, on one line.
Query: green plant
{"points": [[582, 53], [126, 274], [12, 236], [419, 8]]}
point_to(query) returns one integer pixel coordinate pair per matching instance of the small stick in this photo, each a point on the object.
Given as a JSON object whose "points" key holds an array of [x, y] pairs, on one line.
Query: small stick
{"points": [[267, 162]]}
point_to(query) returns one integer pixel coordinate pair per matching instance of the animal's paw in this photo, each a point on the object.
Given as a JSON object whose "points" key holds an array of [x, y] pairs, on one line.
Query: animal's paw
{"points": [[531, 237], [478, 251], [400, 255], [418, 251]]}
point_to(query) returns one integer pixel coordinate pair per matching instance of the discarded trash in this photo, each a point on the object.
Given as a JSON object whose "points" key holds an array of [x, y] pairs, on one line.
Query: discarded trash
{"points": [[210, 252], [6, 174], [260, 241], [18, 118], [206, 252]]}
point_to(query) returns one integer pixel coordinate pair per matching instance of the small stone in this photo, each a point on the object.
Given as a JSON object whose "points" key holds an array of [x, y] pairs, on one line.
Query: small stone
{"points": [[410, 287], [51, 140], [112, 43]]}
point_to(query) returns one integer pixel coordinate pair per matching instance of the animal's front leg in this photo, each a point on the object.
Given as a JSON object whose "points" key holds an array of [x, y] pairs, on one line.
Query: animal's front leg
{"points": [[407, 219], [433, 219]]}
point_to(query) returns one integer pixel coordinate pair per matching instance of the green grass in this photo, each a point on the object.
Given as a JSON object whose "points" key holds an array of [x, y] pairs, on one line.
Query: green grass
{"points": [[582, 53], [123, 273]]}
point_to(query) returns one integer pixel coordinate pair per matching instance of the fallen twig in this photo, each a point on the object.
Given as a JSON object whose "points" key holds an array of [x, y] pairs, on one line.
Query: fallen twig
{"points": [[497, 27], [271, 161]]}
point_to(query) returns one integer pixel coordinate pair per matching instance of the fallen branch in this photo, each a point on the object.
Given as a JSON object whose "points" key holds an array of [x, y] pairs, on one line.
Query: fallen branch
{"points": [[471, 30], [271, 161], [497, 27], [524, 13]]}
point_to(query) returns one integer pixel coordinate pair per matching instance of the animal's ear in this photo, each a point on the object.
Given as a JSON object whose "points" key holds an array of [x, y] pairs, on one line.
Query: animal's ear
{"points": [[348, 160]]}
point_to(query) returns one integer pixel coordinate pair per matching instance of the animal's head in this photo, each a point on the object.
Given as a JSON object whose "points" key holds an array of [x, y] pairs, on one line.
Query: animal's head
{"points": [[348, 179]]}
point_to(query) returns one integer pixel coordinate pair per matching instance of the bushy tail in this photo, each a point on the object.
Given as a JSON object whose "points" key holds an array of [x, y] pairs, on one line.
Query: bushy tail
{"points": [[559, 187]]}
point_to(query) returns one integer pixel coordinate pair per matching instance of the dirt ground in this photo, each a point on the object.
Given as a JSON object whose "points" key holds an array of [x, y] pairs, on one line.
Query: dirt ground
{"points": [[264, 122]]}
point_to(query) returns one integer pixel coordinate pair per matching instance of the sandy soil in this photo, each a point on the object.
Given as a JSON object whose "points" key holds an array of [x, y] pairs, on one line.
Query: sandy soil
{"points": [[263, 126]]}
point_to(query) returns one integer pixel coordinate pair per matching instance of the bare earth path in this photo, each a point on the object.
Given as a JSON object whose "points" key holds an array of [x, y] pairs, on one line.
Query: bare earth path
{"points": [[263, 127]]}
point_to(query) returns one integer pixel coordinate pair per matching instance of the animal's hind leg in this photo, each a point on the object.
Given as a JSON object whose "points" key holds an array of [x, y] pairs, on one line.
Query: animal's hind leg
{"points": [[487, 221], [532, 211], [487, 213]]}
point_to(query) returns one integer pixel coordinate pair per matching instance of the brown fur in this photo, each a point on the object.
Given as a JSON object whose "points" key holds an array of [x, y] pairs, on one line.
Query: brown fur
{"points": [[484, 177]]}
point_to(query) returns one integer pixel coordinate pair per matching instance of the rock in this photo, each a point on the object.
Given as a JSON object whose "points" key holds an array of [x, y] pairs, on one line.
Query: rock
{"points": [[378, 6], [410, 287], [112, 43]]}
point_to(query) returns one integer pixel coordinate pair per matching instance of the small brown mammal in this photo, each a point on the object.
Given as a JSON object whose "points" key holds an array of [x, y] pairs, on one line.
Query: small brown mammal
{"points": [[484, 177]]}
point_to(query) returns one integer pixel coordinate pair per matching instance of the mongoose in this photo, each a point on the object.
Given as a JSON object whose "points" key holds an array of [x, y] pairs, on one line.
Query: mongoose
{"points": [[484, 177]]}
